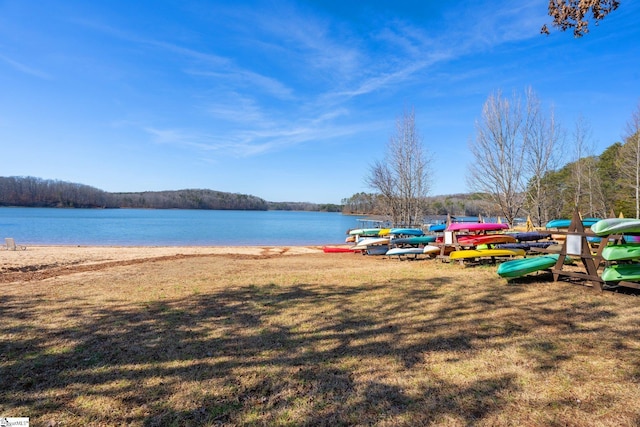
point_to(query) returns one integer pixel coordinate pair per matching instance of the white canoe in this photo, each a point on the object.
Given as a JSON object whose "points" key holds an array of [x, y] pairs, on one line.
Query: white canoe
{"points": [[365, 243], [404, 251]]}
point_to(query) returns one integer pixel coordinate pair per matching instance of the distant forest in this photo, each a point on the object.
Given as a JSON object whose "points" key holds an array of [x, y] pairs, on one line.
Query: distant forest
{"points": [[600, 186], [37, 192], [467, 204]]}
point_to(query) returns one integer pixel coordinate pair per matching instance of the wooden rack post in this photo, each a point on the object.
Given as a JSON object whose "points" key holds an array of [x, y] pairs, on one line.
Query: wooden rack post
{"points": [[448, 239], [576, 244]]}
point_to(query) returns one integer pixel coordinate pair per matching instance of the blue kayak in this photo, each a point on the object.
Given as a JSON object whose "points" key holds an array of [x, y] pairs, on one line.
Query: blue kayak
{"points": [[565, 222], [407, 231], [416, 240], [437, 227]]}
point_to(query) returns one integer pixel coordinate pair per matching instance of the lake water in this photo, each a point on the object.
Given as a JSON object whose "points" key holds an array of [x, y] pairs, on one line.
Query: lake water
{"points": [[140, 227]]}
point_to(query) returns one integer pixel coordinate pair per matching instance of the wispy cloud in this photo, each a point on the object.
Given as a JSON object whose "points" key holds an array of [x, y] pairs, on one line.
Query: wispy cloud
{"points": [[204, 63], [316, 43], [326, 65], [234, 77], [382, 80], [24, 68], [232, 107], [260, 139], [484, 26]]}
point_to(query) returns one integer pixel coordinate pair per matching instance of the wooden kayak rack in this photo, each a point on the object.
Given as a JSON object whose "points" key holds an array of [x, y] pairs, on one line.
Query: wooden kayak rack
{"points": [[576, 245], [450, 243]]}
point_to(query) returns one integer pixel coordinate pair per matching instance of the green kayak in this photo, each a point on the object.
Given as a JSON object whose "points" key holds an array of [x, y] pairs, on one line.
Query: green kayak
{"points": [[365, 232], [521, 267], [616, 273], [621, 252], [616, 226]]}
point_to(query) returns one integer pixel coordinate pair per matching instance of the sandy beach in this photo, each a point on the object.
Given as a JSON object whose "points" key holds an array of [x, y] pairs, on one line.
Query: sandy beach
{"points": [[45, 261]]}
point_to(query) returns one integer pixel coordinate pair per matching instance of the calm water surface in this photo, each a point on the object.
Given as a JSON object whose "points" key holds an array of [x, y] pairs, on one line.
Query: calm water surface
{"points": [[140, 227]]}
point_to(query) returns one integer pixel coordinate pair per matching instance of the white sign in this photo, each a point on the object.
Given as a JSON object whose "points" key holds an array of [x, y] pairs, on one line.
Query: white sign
{"points": [[574, 244], [448, 237]]}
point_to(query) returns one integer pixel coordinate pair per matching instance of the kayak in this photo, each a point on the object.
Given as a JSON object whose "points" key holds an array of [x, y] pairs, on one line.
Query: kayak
{"points": [[484, 253], [616, 273], [371, 241], [430, 249], [621, 252], [407, 231], [526, 245], [616, 226], [377, 250], [477, 226], [366, 232], [524, 266], [564, 222], [485, 239], [416, 240], [530, 236], [404, 251], [337, 249], [437, 227]]}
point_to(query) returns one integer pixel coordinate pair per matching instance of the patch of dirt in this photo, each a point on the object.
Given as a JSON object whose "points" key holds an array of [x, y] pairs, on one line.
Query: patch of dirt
{"points": [[29, 273]]}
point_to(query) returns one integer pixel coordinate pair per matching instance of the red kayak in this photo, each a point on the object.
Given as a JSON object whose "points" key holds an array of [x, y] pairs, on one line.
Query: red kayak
{"points": [[485, 239], [336, 249]]}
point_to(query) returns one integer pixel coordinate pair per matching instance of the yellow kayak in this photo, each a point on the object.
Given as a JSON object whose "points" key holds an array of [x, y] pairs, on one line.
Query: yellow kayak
{"points": [[484, 253], [384, 232]]}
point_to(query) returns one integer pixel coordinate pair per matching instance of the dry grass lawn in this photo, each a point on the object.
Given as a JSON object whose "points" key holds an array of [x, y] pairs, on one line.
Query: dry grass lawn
{"points": [[312, 339]]}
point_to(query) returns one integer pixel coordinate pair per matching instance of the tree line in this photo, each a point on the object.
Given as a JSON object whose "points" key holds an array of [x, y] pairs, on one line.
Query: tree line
{"points": [[38, 192], [526, 163], [519, 148], [607, 185], [463, 204]]}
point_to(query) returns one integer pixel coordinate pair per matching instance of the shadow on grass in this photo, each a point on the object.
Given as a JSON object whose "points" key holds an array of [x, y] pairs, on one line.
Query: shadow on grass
{"points": [[301, 354]]}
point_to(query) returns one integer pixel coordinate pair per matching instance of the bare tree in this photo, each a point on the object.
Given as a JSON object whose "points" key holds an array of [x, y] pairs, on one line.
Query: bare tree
{"points": [[404, 179], [629, 158], [517, 145], [499, 154], [596, 206], [543, 138], [581, 134], [382, 180], [575, 14], [588, 195]]}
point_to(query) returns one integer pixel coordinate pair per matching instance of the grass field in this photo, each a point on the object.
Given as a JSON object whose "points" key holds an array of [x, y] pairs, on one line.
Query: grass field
{"points": [[316, 339]]}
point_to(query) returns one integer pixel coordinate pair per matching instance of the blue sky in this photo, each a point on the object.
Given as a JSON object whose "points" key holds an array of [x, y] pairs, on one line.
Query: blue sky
{"points": [[288, 101]]}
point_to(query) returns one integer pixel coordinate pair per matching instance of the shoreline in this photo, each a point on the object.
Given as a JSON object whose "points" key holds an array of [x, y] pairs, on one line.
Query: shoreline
{"points": [[38, 257]]}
